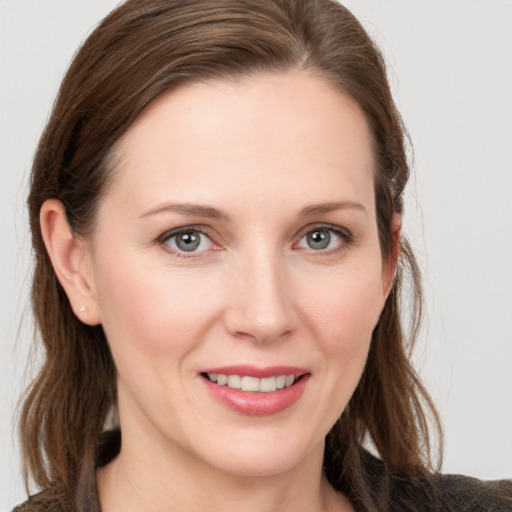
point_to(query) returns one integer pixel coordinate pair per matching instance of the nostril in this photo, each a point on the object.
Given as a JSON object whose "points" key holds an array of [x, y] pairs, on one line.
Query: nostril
{"points": [[263, 335]]}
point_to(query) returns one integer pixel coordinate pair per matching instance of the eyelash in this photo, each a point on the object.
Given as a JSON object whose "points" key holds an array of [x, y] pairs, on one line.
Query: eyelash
{"points": [[345, 235], [346, 239], [164, 240]]}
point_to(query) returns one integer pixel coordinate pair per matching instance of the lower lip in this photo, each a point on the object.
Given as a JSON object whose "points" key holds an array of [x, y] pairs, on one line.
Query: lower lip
{"points": [[257, 403]]}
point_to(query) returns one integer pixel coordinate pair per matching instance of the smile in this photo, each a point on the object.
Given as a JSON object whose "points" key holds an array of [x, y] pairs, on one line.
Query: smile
{"points": [[249, 383], [255, 391]]}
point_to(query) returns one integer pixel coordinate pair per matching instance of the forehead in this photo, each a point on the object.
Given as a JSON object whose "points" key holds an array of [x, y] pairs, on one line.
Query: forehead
{"points": [[290, 132]]}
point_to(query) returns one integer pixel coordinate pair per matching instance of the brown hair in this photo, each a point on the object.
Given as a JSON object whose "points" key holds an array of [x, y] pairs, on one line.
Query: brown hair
{"points": [[141, 50]]}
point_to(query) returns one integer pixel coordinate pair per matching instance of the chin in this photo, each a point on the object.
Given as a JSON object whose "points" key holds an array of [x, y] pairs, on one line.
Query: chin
{"points": [[262, 458]]}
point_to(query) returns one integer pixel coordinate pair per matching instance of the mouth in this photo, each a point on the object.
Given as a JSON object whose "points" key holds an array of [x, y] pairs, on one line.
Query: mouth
{"points": [[251, 383], [256, 391]]}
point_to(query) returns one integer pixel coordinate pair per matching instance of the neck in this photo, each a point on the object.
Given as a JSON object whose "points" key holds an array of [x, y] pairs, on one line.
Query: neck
{"points": [[147, 477]]}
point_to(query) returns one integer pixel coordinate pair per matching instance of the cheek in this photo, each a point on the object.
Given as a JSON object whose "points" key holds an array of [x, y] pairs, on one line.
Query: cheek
{"points": [[342, 314], [340, 310], [346, 305], [150, 311]]}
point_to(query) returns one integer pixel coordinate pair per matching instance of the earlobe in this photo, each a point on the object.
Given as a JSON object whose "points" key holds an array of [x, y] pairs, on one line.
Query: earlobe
{"points": [[70, 260], [391, 264]]}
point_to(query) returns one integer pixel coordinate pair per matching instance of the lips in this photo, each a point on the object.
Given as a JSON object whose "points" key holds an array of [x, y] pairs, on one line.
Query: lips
{"points": [[256, 391]]}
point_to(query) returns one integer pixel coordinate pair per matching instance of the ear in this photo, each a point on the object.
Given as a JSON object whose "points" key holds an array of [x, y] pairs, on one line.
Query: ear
{"points": [[389, 266], [71, 261]]}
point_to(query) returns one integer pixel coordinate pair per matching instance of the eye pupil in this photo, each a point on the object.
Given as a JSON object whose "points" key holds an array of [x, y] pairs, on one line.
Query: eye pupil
{"points": [[188, 241], [319, 239]]}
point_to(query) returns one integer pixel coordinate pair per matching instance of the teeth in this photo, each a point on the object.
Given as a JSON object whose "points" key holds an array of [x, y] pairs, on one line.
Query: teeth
{"points": [[246, 383], [234, 381], [250, 383], [268, 384]]}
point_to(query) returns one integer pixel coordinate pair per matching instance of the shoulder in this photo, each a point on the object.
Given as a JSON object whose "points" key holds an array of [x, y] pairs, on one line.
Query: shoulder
{"points": [[85, 496], [45, 501], [32, 506], [454, 493], [391, 490], [466, 494]]}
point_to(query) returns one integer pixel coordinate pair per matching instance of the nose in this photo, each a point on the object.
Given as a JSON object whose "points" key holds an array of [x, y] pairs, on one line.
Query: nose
{"points": [[260, 303]]}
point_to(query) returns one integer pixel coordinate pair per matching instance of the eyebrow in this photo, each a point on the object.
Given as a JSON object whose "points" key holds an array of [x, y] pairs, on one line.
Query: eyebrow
{"points": [[318, 209], [193, 210], [208, 212]]}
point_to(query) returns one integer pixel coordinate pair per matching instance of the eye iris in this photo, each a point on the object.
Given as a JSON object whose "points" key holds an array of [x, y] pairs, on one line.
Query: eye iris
{"points": [[319, 239], [188, 241]]}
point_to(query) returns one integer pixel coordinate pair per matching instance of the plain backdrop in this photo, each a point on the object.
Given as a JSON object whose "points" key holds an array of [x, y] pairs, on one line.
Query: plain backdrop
{"points": [[451, 71]]}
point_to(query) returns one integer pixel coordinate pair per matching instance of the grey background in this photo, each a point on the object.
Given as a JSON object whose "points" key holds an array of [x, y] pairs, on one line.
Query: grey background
{"points": [[451, 71]]}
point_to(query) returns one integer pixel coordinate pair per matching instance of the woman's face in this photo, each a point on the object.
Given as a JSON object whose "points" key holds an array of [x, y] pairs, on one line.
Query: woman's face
{"points": [[238, 244]]}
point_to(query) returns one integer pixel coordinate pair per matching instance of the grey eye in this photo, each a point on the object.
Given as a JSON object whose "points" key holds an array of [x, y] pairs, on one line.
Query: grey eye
{"points": [[318, 239], [189, 241]]}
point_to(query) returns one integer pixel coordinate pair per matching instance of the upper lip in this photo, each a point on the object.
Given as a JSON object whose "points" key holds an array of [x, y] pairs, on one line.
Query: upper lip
{"points": [[255, 371]]}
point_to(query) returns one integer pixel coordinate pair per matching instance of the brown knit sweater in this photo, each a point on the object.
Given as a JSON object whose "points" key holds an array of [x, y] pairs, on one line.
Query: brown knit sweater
{"points": [[388, 492]]}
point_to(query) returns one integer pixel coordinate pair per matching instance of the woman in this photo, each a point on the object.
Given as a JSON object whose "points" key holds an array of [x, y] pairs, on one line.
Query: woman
{"points": [[216, 206]]}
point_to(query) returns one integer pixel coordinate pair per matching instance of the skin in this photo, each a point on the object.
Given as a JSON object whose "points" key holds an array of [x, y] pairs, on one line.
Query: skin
{"points": [[265, 152]]}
